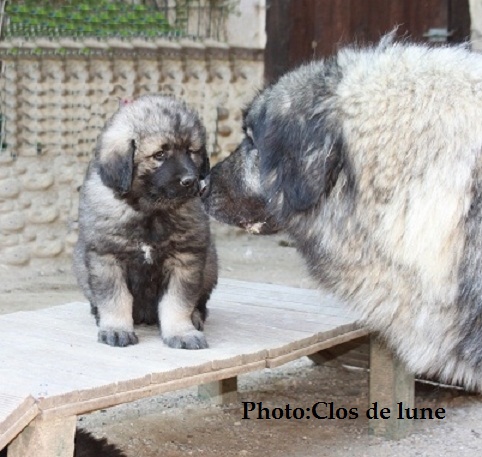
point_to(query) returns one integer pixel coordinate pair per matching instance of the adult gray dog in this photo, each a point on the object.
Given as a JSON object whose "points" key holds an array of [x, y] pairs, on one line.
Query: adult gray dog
{"points": [[144, 252], [372, 161]]}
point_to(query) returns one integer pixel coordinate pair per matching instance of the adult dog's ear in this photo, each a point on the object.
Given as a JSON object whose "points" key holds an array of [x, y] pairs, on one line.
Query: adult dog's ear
{"points": [[303, 157], [116, 165]]}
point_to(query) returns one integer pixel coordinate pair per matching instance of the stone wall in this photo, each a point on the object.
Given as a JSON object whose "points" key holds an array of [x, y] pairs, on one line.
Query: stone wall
{"points": [[55, 98]]}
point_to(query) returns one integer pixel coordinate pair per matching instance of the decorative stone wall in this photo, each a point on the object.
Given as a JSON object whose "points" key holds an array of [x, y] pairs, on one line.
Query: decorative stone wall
{"points": [[55, 98]]}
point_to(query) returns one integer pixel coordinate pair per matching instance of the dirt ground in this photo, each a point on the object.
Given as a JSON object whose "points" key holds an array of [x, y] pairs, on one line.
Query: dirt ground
{"points": [[179, 424]]}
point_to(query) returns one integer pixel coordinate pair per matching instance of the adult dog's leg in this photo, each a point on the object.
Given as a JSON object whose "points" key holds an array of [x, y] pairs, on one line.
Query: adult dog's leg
{"points": [[178, 303], [112, 300]]}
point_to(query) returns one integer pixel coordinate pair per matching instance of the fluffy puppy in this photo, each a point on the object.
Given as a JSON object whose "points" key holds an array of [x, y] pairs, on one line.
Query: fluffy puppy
{"points": [[144, 253], [372, 161]]}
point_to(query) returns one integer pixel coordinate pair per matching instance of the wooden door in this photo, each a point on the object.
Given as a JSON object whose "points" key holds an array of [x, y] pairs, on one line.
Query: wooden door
{"points": [[301, 30]]}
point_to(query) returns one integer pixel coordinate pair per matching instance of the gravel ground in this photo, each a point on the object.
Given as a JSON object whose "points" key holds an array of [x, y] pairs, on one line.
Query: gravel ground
{"points": [[179, 424]]}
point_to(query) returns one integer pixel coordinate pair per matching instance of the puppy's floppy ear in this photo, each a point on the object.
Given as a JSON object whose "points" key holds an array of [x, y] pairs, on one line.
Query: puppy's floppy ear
{"points": [[116, 166], [304, 156], [205, 166]]}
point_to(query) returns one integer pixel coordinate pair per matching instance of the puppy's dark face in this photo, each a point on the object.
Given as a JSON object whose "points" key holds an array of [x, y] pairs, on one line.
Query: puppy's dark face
{"points": [[152, 152], [166, 167], [234, 194]]}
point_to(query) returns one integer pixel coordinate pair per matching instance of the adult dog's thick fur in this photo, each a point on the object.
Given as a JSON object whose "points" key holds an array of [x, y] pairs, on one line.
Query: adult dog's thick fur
{"points": [[144, 253], [372, 162]]}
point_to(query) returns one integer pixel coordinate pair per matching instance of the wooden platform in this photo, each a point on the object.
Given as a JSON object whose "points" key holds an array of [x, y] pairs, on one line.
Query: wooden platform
{"points": [[52, 367]]}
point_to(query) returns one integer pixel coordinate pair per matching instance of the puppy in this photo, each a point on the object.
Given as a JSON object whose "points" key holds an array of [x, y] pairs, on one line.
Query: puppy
{"points": [[372, 161], [144, 253]]}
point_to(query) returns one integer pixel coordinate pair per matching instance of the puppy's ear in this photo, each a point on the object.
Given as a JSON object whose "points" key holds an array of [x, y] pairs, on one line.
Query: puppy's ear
{"points": [[205, 166], [116, 167], [303, 157]]}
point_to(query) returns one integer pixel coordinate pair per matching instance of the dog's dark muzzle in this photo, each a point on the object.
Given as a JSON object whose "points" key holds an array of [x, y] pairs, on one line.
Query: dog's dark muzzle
{"points": [[225, 201]]}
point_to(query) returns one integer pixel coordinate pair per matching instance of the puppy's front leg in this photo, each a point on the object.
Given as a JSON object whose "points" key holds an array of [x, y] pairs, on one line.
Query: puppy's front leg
{"points": [[112, 301], [177, 306]]}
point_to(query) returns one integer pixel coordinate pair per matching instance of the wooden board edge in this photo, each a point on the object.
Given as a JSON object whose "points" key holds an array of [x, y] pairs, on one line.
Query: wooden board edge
{"points": [[87, 406], [298, 353], [18, 425]]}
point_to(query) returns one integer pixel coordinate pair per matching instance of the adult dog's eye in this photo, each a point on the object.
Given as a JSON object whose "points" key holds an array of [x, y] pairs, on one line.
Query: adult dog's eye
{"points": [[193, 151]]}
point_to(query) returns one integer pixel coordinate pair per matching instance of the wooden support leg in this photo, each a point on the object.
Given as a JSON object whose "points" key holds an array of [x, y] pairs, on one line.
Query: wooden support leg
{"points": [[220, 392], [352, 353], [390, 384], [45, 438]]}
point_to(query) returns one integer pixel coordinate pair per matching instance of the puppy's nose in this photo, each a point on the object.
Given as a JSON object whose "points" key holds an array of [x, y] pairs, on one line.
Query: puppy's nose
{"points": [[188, 181]]}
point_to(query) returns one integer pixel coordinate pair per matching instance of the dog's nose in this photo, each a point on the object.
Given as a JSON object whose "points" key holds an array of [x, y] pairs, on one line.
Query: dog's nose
{"points": [[188, 181]]}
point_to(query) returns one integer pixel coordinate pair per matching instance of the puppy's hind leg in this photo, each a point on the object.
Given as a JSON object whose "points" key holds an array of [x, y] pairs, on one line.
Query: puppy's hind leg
{"points": [[112, 300], [177, 306]]}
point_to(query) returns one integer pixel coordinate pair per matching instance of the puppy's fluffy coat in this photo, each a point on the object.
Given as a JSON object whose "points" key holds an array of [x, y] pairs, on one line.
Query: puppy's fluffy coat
{"points": [[144, 253]]}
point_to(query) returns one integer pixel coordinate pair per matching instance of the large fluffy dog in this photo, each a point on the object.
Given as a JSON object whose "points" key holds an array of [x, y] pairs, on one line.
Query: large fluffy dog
{"points": [[372, 162], [144, 252]]}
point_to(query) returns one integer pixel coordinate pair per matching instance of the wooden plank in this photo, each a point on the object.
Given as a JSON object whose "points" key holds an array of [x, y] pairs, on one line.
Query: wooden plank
{"points": [[353, 353], [223, 300], [278, 360], [297, 320], [272, 295], [72, 368], [16, 412], [42, 438], [227, 284], [296, 304], [83, 407], [58, 360], [220, 392], [340, 32], [278, 30]]}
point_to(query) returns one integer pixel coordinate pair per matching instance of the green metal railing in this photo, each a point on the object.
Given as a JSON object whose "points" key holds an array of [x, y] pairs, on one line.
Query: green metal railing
{"points": [[114, 18]]}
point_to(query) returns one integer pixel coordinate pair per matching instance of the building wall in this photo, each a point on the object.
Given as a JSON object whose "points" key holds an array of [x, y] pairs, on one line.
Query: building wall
{"points": [[476, 24], [248, 27], [56, 99]]}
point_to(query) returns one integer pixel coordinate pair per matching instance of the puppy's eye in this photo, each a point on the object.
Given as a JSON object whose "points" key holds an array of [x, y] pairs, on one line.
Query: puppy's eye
{"points": [[162, 153], [159, 155]]}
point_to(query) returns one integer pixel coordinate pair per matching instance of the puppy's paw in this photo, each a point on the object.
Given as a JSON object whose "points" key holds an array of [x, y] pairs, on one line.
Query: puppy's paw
{"points": [[190, 340], [197, 320], [119, 338]]}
